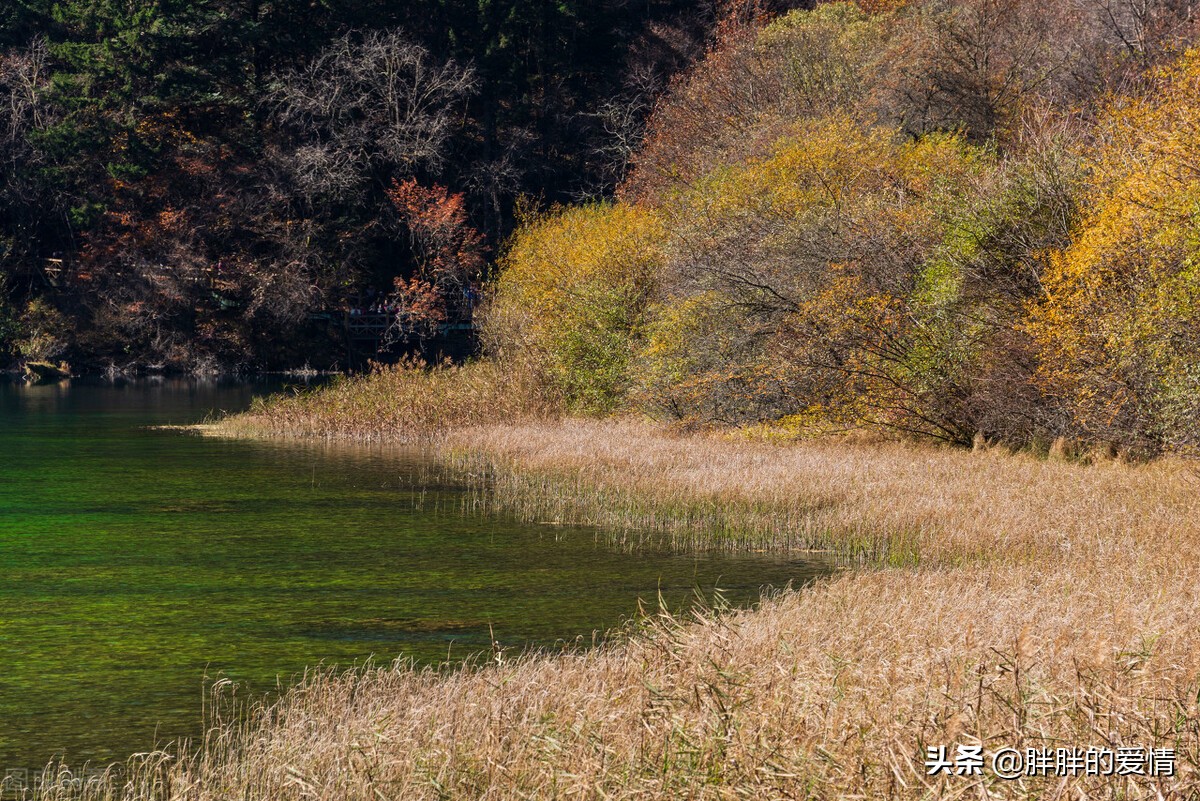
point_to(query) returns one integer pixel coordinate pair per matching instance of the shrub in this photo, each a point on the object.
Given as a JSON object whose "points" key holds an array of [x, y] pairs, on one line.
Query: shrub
{"points": [[571, 299], [43, 332]]}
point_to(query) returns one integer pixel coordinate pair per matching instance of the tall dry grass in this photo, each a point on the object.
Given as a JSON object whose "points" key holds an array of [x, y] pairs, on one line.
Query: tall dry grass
{"points": [[406, 403], [1045, 604], [886, 502]]}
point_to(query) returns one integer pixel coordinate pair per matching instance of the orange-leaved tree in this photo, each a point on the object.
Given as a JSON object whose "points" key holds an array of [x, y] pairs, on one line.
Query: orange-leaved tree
{"points": [[447, 257]]}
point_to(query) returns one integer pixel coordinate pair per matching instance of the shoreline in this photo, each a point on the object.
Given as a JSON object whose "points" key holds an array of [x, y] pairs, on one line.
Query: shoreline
{"points": [[999, 599]]}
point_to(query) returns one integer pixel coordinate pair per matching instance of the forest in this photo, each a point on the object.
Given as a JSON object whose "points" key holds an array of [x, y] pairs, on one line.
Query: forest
{"points": [[965, 220], [970, 221], [187, 185]]}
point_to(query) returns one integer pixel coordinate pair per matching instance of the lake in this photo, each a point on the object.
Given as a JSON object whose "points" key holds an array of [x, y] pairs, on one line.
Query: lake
{"points": [[138, 565]]}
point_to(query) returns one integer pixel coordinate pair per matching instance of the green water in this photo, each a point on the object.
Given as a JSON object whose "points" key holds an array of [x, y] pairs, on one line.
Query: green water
{"points": [[135, 562]]}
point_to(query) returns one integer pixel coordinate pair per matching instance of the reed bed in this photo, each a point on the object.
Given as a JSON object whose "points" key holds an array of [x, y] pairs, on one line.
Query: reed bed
{"points": [[829, 692], [1038, 604], [409, 403], [878, 503]]}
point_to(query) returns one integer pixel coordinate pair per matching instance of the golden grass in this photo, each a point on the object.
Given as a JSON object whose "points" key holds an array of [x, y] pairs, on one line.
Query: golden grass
{"points": [[1044, 604], [889, 502], [406, 403]]}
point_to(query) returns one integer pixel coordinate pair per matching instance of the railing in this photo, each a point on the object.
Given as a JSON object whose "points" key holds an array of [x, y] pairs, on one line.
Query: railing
{"points": [[370, 325]]}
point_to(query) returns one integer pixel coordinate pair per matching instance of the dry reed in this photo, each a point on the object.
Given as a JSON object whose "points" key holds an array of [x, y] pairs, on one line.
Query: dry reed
{"points": [[1044, 604], [407, 403], [887, 502]]}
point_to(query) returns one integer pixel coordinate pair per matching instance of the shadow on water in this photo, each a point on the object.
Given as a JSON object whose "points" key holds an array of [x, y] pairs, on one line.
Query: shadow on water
{"points": [[135, 561]]}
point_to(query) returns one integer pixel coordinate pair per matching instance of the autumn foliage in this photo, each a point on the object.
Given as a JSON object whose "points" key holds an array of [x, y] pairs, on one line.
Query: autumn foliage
{"points": [[447, 254], [205, 186], [572, 299], [919, 218], [1119, 324], [967, 220]]}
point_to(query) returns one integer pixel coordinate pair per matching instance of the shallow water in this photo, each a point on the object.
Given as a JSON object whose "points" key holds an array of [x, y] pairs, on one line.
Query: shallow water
{"points": [[138, 565]]}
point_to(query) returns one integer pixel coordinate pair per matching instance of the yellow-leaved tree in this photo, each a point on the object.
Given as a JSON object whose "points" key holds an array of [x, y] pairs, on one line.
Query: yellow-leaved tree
{"points": [[1119, 327], [573, 289], [794, 281]]}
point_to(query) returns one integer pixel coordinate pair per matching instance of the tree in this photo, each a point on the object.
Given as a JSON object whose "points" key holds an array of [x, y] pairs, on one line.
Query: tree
{"points": [[571, 299], [750, 88], [1119, 325], [1145, 31], [804, 266], [448, 256], [370, 106], [159, 141], [976, 66], [24, 196], [976, 289]]}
